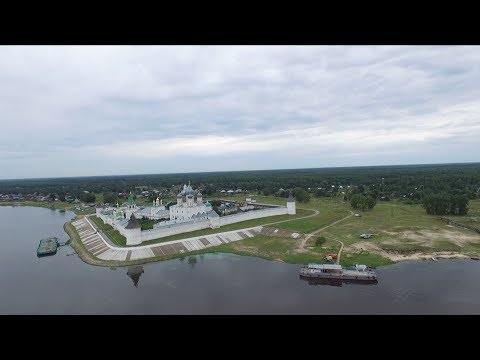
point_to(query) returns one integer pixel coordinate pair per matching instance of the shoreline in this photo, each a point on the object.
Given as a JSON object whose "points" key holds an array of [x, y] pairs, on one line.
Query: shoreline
{"points": [[51, 206], [422, 256], [88, 258]]}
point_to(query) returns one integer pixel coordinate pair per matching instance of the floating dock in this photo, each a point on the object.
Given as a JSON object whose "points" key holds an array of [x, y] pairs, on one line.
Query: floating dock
{"points": [[47, 247]]}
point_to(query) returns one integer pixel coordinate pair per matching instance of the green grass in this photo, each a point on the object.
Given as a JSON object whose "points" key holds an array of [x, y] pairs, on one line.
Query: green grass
{"points": [[404, 247], [268, 246], [302, 258], [474, 245], [320, 241], [444, 245], [114, 236], [236, 226], [365, 258], [82, 212], [473, 216], [147, 224], [330, 211], [393, 217], [314, 223]]}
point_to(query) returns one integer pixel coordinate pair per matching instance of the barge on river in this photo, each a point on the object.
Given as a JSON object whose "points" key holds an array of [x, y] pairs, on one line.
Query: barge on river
{"points": [[47, 247], [334, 271]]}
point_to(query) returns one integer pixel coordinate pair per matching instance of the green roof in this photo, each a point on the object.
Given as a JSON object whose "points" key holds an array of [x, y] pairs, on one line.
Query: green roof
{"points": [[47, 247], [131, 200]]}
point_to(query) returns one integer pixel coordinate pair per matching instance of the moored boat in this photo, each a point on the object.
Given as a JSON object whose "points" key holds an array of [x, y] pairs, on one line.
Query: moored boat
{"points": [[47, 247], [337, 282], [335, 271]]}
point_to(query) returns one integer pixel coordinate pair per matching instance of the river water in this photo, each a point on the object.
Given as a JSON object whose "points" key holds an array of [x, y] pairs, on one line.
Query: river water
{"points": [[210, 283]]}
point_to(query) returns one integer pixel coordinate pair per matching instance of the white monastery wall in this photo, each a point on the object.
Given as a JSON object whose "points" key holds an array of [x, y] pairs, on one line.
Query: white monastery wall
{"points": [[174, 229], [255, 214]]}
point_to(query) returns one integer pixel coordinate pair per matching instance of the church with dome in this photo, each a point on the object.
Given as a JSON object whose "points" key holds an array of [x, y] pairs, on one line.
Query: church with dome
{"points": [[189, 206], [190, 213]]}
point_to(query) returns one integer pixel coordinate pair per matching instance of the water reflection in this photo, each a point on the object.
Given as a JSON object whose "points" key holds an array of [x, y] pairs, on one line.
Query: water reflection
{"points": [[192, 260], [337, 282], [222, 284], [134, 273]]}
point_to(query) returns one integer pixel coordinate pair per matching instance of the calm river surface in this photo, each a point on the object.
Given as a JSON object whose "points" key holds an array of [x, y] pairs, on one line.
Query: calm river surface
{"points": [[209, 284]]}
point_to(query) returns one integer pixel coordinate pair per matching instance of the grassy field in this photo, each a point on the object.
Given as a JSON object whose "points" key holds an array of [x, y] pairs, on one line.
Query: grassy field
{"points": [[404, 229], [236, 226], [330, 211], [284, 249], [82, 212], [112, 234], [398, 228]]}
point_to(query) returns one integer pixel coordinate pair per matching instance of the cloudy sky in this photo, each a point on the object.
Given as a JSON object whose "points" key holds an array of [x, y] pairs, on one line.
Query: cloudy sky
{"points": [[94, 110]]}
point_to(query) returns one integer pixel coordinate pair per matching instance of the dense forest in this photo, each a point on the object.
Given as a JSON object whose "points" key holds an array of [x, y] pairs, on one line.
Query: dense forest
{"points": [[409, 182], [445, 204]]}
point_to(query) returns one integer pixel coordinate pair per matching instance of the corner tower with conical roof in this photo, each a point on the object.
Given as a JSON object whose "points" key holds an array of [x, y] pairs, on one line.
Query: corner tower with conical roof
{"points": [[133, 231], [291, 205]]}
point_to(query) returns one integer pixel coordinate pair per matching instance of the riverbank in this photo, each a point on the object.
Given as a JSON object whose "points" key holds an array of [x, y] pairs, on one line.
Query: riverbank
{"points": [[266, 247], [400, 232], [89, 258], [48, 205]]}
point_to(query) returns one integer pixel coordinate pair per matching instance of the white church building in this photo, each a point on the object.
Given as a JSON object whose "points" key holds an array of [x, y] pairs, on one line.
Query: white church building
{"points": [[190, 213]]}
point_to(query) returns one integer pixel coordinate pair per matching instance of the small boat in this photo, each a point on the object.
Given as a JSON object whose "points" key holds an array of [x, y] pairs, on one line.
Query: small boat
{"points": [[433, 259], [475, 258], [47, 247]]}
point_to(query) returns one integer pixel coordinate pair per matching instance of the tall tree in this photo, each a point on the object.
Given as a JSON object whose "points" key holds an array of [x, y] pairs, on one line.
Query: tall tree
{"points": [[301, 195]]}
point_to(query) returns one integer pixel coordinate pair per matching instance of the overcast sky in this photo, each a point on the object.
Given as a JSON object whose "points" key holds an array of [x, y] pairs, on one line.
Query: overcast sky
{"points": [[107, 110]]}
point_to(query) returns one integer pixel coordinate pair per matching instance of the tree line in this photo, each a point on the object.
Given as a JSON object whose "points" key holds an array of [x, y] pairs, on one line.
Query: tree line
{"points": [[446, 204], [362, 202], [381, 182]]}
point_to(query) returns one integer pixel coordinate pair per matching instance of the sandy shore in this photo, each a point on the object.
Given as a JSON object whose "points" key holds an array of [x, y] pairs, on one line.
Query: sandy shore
{"points": [[420, 256]]}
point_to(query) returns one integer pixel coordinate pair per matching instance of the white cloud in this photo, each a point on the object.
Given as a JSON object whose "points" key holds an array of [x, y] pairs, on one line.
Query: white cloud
{"points": [[101, 106]]}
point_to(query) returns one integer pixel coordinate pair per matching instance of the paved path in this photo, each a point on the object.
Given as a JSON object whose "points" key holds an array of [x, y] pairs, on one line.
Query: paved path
{"points": [[340, 251], [305, 239]]}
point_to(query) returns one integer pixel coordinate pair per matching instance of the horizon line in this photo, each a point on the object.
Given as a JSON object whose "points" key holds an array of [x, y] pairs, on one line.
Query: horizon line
{"points": [[233, 171]]}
